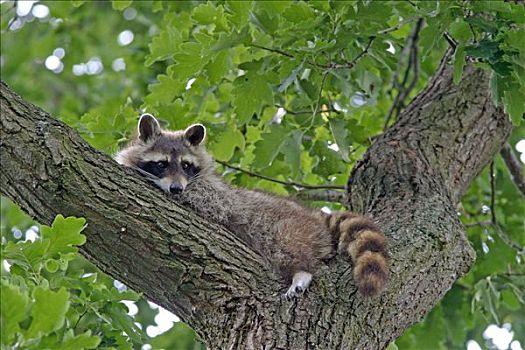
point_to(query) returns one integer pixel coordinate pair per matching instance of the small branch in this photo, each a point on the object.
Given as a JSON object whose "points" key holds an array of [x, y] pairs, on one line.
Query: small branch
{"points": [[397, 26], [288, 111], [13, 20], [479, 223], [504, 237], [404, 90], [325, 74], [322, 195], [269, 49], [353, 62], [287, 183], [452, 43], [515, 167], [492, 195]]}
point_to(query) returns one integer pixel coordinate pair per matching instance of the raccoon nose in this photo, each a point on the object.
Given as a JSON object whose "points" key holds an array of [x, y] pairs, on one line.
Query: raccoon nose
{"points": [[176, 188]]}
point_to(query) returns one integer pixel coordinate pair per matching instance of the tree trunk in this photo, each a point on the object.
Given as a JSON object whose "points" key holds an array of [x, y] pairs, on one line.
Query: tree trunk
{"points": [[410, 180]]}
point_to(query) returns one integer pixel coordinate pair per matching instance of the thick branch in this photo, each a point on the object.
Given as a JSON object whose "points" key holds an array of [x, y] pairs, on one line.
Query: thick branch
{"points": [[135, 233], [411, 178], [514, 166]]}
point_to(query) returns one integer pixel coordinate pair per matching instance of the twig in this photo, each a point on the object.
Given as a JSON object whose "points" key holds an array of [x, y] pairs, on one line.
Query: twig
{"points": [[322, 195], [280, 52], [479, 223], [397, 26], [325, 74], [514, 166], [502, 235], [404, 90], [288, 111], [287, 183], [413, 4], [13, 20], [492, 194], [353, 62], [453, 44]]}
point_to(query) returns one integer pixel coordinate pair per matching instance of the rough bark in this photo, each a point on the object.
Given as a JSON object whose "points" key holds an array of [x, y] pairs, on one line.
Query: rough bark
{"points": [[410, 180]]}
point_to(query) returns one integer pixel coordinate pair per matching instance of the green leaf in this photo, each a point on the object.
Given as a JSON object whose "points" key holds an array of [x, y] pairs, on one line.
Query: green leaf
{"points": [[48, 311], [27, 255], [226, 143], [64, 234], [157, 6], [207, 13], [291, 78], [229, 40], [299, 12], [484, 24], [263, 20], [240, 11], [510, 300], [77, 3], [340, 133], [14, 309], [121, 4], [485, 49], [165, 91], [79, 342], [459, 63], [392, 346], [269, 146], [217, 68], [291, 149], [460, 31], [251, 92], [52, 265], [514, 101], [163, 45], [189, 60], [121, 320], [516, 39]]}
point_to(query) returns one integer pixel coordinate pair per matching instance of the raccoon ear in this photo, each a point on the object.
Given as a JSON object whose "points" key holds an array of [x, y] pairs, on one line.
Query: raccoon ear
{"points": [[148, 127], [195, 134]]}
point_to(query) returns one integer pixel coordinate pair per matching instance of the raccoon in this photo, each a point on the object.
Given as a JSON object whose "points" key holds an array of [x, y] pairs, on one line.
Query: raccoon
{"points": [[294, 238]]}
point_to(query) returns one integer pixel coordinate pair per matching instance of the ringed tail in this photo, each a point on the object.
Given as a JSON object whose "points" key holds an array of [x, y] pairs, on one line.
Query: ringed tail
{"points": [[366, 245]]}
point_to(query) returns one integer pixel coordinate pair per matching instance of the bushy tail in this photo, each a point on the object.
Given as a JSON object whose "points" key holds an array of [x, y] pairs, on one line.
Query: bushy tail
{"points": [[360, 238]]}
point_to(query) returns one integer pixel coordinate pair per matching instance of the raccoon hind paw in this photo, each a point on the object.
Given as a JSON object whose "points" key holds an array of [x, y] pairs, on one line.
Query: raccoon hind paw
{"points": [[300, 282]]}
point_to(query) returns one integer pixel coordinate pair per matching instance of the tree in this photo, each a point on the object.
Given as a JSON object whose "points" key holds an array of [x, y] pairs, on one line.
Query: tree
{"points": [[239, 66]]}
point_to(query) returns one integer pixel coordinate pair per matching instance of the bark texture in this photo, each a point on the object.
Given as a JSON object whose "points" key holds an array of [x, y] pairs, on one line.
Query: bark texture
{"points": [[410, 180]]}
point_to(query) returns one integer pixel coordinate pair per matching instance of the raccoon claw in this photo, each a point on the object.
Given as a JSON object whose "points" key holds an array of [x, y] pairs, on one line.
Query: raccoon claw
{"points": [[300, 282]]}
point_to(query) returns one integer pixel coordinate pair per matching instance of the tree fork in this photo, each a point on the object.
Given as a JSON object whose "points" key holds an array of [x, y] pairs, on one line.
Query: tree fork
{"points": [[410, 180]]}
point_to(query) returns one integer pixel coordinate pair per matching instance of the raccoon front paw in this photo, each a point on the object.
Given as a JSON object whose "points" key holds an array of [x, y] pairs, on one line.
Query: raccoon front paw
{"points": [[300, 282]]}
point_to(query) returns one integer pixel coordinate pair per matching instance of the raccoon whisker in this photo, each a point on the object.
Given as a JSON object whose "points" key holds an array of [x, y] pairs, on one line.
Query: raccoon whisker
{"points": [[195, 178], [145, 173]]}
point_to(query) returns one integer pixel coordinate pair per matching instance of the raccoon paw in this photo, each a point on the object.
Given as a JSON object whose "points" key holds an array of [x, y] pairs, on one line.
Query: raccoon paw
{"points": [[300, 282]]}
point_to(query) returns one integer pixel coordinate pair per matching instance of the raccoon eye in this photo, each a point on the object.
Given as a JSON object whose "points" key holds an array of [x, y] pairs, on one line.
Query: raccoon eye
{"points": [[185, 165], [162, 164]]}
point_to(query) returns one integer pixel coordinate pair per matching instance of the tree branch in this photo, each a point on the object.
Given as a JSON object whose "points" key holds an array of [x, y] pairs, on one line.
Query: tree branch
{"points": [[322, 195], [501, 234], [515, 167], [287, 183], [402, 90]]}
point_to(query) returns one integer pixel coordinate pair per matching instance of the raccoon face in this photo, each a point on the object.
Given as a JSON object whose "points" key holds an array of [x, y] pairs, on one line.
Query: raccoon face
{"points": [[170, 159]]}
